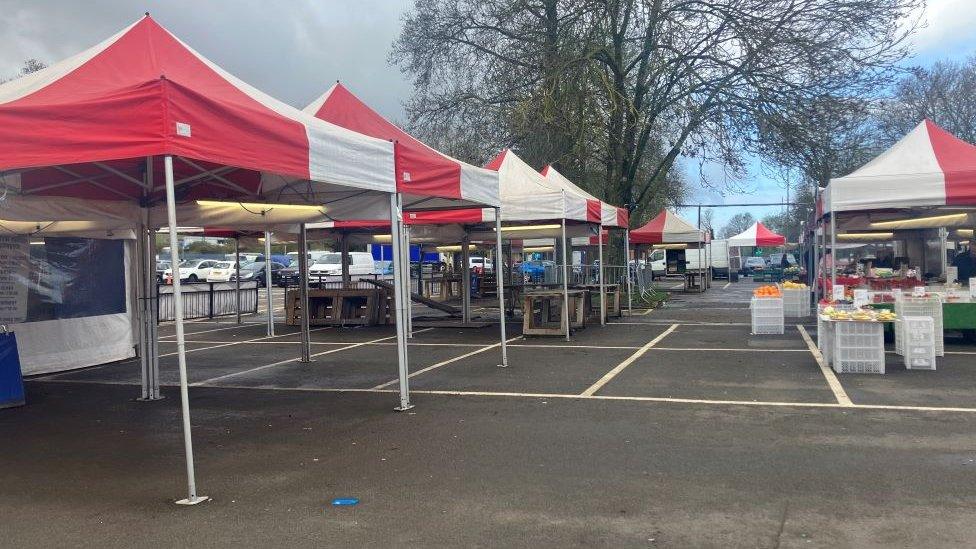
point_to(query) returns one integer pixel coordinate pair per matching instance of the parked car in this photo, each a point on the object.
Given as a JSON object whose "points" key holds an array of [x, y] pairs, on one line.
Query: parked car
{"points": [[330, 264], [479, 264], [221, 271], [192, 270], [753, 264], [776, 260], [161, 267], [255, 271]]}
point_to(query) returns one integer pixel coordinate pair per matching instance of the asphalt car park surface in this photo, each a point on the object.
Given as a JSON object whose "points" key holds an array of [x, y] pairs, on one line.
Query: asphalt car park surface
{"points": [[671, 428]]}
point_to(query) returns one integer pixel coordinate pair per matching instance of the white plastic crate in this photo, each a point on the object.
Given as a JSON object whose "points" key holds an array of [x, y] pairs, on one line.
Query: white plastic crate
{"points": [[767, 315], [908, 306], [824, 347], [796, 302], [858, 348], [919, 342]]}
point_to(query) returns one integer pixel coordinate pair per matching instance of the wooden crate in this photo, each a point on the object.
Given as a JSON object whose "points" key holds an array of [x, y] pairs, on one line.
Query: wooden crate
{"points": [[337, 307]]}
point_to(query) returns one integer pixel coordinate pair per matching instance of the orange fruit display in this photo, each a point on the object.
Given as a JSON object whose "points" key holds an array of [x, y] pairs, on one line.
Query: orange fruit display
{"points": [[767, 291]]}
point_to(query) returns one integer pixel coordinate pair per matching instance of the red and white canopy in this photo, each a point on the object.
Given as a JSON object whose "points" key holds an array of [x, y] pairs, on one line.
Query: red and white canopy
{"points": [[927, 167], [666, 228], [756, 235], [84, 128], [597, 210], [420, 170]]}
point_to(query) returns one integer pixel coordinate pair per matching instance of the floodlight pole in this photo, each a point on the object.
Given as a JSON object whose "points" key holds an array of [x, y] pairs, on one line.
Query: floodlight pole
{"points": [[500, 283], [603, 288], [565, 280], [303, 294], [630, 302], [400, 297], [267, 281], [192, 498]]}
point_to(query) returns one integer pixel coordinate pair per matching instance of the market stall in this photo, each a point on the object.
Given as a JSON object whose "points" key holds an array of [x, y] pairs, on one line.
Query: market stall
{"points": [[759, 236], [915, 199], [140, 125], [436, 175], [673, 234]]}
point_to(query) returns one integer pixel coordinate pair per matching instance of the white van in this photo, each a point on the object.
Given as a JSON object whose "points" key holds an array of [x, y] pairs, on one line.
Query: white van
{"points": [[330, 263], [716, 258]]}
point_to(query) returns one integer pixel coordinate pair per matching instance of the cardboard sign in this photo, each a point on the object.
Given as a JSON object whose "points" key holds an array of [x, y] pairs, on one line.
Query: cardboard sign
{"points": [[860, 298], [972, 288], [918, 291], [838, 293], [952, 274]]}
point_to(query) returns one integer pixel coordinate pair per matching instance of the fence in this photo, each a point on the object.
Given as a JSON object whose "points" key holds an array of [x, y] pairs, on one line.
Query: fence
{"points": [[207, 300]]}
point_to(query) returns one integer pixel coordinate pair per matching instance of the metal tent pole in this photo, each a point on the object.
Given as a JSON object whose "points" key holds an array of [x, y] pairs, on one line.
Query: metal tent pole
{"points": [[303, 293], [630, 285], [344, 259], [565, 281], [142, 287], [407, 289], [268, 280], [192, 498], [500, 283], [603, 288], [237, 276], [153, 317], [466, 279], [833, 251], [400, 298]]}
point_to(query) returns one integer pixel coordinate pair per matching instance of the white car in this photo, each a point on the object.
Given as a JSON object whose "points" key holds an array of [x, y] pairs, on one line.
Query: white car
{"points": [[480, 263], [222, 271], [192, 270], [330, 264]]}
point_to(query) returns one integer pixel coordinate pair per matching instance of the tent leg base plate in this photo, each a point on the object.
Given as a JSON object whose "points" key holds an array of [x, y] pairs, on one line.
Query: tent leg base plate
{"points": [[192, 500], [404, 408], [149, 399]]}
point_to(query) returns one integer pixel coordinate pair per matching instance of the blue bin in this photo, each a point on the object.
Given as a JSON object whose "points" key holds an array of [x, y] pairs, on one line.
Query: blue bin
{"points": [[11, 380]]}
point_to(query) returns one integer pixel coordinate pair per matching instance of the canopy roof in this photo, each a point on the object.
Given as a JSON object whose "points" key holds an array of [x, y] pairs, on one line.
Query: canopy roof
{"points": [[666, 228], [85, 128], [756, 235], [597, 211], [927, 167], [420, 169]]}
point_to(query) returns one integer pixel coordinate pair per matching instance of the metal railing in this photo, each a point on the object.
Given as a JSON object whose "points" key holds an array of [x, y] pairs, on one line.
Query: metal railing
{"points": [[207, 300]]}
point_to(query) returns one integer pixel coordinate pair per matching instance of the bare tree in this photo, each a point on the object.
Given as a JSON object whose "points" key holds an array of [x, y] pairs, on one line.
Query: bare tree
{"points": [[944, 93], [30, 66], [614, 92]]}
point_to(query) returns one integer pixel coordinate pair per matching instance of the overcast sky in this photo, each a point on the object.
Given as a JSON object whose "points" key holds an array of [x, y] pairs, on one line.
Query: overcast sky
{"points": [[295, 49], [292, 49]]}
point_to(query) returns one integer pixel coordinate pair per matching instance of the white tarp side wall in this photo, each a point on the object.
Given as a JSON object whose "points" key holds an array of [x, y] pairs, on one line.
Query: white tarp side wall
{"points": [[69, 343]]}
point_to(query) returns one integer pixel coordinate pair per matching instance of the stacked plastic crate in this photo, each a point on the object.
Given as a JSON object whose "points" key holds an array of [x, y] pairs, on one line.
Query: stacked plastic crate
{"points": [[858, 347], [919, 345], [825, 341], [767, 315], [796, 302], [930, 306]]}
